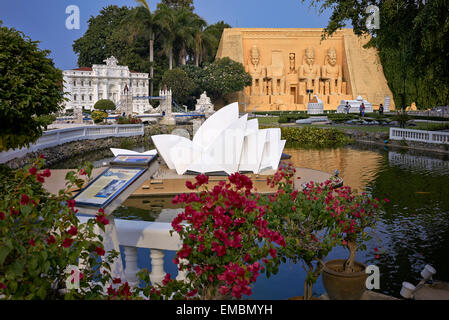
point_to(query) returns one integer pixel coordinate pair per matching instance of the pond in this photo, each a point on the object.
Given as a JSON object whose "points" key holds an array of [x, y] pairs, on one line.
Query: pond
{"points": [[413, 231]]}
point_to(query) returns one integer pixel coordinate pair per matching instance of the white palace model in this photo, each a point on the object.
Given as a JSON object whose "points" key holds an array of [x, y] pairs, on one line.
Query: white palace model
{"points": [[85, 86], [224, 143]]}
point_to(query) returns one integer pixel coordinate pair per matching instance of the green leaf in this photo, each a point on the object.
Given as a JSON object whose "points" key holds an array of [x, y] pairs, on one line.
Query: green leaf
{"points": [[4, 251]]}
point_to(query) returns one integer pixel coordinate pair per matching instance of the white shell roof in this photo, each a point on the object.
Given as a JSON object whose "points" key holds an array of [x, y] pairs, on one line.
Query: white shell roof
{"points": [[224, 143]]}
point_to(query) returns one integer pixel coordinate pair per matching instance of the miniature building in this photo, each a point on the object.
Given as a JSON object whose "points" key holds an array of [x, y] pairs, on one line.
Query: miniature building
{"points": [[85, 86], [286, 64]]}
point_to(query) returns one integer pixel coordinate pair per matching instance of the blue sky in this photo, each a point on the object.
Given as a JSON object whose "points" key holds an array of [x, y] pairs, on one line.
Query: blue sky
{"points": [[44, 20]]}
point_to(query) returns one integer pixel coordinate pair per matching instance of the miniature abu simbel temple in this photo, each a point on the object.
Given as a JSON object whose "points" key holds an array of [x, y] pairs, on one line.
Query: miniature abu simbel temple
{"points": [[286, 64]]}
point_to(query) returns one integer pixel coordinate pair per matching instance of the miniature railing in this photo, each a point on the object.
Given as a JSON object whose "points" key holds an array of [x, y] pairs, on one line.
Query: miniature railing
{"points": [[150, 235], [57, 137], [438, 137]]}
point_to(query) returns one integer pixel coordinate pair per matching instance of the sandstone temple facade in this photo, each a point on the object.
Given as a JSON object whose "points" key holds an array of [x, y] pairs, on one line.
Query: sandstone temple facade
{"points": [[290, 66]]}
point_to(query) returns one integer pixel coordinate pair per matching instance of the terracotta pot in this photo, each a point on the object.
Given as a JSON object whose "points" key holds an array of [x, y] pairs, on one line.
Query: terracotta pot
{"points": [[341, 285]]}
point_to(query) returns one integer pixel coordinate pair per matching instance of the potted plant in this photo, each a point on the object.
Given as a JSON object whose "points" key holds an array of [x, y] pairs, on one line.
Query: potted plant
{"points": [[308, 229], [355, 214]]}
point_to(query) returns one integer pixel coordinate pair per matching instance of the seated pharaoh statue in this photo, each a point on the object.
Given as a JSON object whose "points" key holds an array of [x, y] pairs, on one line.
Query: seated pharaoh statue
{"points": [[310, 72], [257, 72], [276, 73], [331, 73]]}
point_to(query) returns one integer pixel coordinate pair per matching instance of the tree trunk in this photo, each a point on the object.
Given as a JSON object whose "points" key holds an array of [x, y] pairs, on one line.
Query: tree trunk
{"points": [[308, 287], [349, 264], [151, 62], [170, 61]]}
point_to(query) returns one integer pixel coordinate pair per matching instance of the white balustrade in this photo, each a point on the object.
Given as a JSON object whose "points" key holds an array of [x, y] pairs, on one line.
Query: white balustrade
{"points": [[419, 135], [53, 138], [150, 235], [157, 266]]}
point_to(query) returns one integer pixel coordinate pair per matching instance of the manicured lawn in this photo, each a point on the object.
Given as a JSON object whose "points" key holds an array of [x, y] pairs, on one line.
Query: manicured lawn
{"points": [[268, 121]]}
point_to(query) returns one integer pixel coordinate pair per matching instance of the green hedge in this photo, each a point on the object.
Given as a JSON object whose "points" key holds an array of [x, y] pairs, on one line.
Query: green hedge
{"points": [[315, 137], [285, 118]]}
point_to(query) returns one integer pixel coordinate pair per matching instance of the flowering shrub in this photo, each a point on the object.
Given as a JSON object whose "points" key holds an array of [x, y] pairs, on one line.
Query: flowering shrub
{"points": [[40, 236], [226, 239], [98, 116], [309, 230], [128, 120], [313, 221]]}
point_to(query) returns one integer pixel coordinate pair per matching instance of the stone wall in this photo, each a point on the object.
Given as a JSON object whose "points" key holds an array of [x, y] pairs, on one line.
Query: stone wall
{"points": [[66, 151]]}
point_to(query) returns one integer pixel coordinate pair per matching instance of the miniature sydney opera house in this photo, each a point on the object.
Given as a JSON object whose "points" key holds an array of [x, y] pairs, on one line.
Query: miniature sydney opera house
{"points": [[224, 143]]}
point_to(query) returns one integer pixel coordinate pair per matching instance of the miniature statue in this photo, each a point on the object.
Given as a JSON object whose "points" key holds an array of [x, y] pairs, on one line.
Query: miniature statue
{"points": [[257, 72], [310, 72], [331, 73]]}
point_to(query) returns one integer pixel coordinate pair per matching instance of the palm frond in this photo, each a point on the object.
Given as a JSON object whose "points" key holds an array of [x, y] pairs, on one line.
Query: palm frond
{"points": [[144, 3]]}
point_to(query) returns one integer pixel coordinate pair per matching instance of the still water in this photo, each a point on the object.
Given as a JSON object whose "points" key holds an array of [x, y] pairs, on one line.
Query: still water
{"points": [[413, 231]]}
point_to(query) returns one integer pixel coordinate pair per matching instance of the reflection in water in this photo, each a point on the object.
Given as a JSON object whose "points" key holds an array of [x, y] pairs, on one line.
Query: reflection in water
{"points": [[357, 167]]}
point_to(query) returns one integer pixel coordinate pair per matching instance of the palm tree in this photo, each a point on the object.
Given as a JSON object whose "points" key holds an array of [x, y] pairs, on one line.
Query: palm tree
{"points": [[184, 32], [164, 18], [149, 18], [202, 39]]}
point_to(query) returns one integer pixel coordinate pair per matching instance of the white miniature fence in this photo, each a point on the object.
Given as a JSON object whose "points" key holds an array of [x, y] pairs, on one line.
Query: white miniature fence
{"points": [[419, 135], [151, 235], [60, 136]]}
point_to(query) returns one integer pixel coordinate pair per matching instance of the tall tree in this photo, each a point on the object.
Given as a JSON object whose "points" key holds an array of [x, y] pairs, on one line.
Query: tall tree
{"points": [[149, 19], [214, 32], [30, 87], [93, 47], [165, 19], [201, 39], [176, 4], [184, 32]]}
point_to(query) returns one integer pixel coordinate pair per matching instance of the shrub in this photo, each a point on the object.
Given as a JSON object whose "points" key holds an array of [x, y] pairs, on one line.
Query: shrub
{"points": [[287, 117], [104, 105], [40, 236], [341, 117], [30, 87], [99, 116], [226, 242], [402, 118], [181, 85], [315, 137], [128, 120]]}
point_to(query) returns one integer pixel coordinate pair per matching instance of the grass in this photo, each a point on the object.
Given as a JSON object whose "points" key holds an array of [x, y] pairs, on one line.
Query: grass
{"points": [[268, 121]]}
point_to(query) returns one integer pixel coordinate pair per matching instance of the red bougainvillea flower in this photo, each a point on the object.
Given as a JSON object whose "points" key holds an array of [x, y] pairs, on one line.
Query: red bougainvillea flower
{"points": [[40, 178], [102, 219], [67, 242], [166, 279], [100, 251], [2, 215], [24, 200], [51, 239], [83, 172], [377, 256], [116, 280], [71, 203], [42, 156], [32, 170], [386, 200], [190, 185], [73, 231], [32, 242], [46, 173]]}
